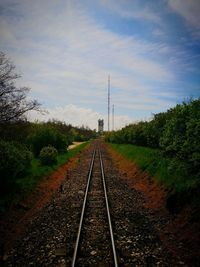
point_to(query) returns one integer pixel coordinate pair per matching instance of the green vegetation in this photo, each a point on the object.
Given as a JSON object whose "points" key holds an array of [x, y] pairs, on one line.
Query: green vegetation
{"points": [[26, 148], [48, 155], [38, 171], [24, 184], [22, 165], [15, 158], [16, 152], [157, 166], [45, 135], [176, 135]]}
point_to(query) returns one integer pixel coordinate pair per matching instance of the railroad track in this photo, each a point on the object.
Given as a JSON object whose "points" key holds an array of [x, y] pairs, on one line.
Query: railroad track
{"points": [[94, 245]]}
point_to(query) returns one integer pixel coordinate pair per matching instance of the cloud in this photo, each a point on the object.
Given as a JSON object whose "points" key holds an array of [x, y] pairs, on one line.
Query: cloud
{"points": [[158, 33], [86, 50], [7, 37], [132, 10], [189, 10], [65, 56], [78, 116], [80, 43]]}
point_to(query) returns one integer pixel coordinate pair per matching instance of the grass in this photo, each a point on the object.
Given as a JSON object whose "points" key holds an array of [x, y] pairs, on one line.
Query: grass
{"points": [[157, 166], [37, 172]]}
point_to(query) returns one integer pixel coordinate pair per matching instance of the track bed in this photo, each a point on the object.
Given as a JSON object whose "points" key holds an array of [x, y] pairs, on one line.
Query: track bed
{"points": [[51, 236]]}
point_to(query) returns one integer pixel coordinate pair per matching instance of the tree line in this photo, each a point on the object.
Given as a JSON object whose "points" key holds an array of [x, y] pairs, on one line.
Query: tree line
{"points": [[175, 132], [21, 140]]}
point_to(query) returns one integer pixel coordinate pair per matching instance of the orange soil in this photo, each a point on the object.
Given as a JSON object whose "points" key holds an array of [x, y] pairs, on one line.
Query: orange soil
{"points": [[181, 233], [16, 220], [182, 236], [155, 194]]}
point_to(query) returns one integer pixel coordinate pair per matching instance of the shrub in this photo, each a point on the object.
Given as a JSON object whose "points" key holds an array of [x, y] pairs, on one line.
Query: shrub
{"points": [[176, 132], [14, 161], [48, 155], [44, 136]]}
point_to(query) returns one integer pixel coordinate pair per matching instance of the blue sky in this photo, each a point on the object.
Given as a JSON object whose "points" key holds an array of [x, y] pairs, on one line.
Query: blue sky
{"points": [[66, 49]]}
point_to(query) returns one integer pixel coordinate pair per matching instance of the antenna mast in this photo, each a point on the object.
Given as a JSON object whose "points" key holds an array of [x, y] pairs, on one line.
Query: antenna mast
{"points": [[113, 118], [108, 103]]}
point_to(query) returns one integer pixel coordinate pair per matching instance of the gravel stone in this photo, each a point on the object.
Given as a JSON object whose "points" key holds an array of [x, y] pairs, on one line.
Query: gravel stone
{"points": [[55, 226]]}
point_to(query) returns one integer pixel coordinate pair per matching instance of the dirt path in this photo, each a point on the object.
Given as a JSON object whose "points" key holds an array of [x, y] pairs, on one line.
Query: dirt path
{"points": [[75, 144]]}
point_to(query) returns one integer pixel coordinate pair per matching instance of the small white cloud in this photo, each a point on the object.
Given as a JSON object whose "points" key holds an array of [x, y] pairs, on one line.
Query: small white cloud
{"points": [[158, 32]]}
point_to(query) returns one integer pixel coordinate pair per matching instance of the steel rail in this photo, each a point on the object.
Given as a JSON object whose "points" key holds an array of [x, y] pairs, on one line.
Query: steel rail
{"points": [[83, 211], [108, 212]]}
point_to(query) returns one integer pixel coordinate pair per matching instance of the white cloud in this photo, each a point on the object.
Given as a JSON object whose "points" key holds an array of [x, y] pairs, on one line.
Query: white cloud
{"points": [[189, 10], [131, 10], [7, 37], [158, 32], [78, 116], [82, 45], [65, 57]]}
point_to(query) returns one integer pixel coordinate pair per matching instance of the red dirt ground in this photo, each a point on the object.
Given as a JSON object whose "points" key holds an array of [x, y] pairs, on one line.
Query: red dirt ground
{"points": [[155, 194], [180, 234], [16, 219]]}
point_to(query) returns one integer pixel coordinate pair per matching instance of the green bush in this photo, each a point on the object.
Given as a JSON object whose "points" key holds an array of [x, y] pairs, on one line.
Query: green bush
{"points": [[176, 132], [181, 136], [44, 135], [48, 155], [14, 161], [153, 129]]}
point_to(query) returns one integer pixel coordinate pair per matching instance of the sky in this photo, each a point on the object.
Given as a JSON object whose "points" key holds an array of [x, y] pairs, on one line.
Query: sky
{"points": [[65, 50]]}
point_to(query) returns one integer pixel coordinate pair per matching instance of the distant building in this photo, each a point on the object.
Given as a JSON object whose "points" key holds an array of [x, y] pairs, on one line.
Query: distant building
{"points": [[100, 126]]}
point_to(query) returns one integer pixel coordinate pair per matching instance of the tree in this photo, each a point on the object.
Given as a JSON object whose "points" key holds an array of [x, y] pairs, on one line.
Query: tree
{"points": [[13, 100], [43, 135]]}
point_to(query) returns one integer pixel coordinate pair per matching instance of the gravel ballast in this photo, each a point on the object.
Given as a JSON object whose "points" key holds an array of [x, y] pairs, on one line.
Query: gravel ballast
{"points": [[49, 237]]}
